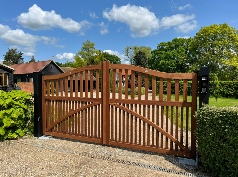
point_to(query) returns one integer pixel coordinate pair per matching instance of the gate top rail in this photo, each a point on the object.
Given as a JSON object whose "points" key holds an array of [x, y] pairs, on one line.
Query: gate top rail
{"points": [[153, 72], [74, 71]]}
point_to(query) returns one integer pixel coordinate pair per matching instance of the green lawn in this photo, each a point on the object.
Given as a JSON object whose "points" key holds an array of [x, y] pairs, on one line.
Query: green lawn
{"points": [[220, 102], [223, 102]]}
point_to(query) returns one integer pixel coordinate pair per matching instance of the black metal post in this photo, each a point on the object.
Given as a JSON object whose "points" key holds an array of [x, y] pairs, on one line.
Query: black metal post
{"points": [[37, 78], [203, 86]]}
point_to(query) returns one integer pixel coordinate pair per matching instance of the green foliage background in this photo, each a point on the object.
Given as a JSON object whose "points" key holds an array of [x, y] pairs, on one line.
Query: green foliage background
{"points": [[16, 114]]}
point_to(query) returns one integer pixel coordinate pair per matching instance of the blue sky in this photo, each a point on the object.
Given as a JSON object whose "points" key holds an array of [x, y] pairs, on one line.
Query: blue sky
{"points": [[56, 29]]}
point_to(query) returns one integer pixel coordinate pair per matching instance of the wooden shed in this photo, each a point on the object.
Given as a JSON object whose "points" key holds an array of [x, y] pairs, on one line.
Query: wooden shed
{"points": [[6, 78], [24, 72]]}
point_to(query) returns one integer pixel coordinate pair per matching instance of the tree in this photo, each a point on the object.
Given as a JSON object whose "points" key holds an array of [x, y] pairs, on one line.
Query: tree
{"points": [[131, 51], [88, 55], [13, 57], [112, 58], [32, 59], [67, 64], [141, 59], [215, 46], [172, 56]]}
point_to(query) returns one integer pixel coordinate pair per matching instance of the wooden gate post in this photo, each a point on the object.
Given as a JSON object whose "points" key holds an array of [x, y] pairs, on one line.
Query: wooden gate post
{"points": [[105, 102], [37, 79]]}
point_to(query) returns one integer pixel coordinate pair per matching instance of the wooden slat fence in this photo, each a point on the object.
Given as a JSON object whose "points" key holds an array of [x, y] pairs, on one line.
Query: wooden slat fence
{"points": [[123, 105]]}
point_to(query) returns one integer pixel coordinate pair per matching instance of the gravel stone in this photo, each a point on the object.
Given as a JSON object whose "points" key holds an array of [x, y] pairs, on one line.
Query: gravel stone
{"points": [[30, 156]]}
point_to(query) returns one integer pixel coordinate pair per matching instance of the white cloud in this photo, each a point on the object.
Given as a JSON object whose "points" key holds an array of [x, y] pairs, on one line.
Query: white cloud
{"points": [[185, 7], [104, 28], [37, 19], [121, 56], [19, 38], [141, 21], [65, 56], [187, 27], [28, 54], [93, 15], [185, 37], [182, 23]]}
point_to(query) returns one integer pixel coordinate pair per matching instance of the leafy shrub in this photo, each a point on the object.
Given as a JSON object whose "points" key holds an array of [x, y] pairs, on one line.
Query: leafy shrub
{"points": [[16, 114], [217, 140], [227, 89]]}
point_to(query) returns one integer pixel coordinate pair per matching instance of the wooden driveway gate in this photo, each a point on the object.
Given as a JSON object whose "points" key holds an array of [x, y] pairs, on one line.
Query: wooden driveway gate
{"points": [[123, 105]]}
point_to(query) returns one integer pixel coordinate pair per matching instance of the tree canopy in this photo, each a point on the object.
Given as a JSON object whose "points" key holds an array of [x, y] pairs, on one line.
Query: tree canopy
{"points": [[88, 55], [172, 56], [12, 57], [215, 46], [112, 58], [32, 59], [131, 51]]}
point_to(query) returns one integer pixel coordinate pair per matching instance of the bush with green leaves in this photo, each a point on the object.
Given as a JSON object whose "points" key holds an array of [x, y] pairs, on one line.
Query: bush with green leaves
{"points": [[226, 89], [16, 114], [217, 140]]}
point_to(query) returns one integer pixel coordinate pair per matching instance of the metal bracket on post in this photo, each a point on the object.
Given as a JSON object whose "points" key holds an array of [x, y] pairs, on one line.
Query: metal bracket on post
{"points": [[203, 86]]}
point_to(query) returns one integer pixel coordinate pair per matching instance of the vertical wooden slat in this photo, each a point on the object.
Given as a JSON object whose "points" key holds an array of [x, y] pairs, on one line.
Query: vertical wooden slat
{"points": [[139, 98], [177, 114], [97, 84], [76, 86], [171, 127], [161, 95], [167, 108], [120, 84], [126, 84], [91, 84], [86, 83], [157, 123], [113, 84], [147, 107], [116, 124], [131, 124], [133, 84], [66, 86], [71, 86], [112, 124], [153, 108], [95, 122]]}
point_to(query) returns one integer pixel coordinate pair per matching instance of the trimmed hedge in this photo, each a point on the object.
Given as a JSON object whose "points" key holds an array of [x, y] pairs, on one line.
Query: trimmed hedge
{"points": [[217, 140], [226, 89]]}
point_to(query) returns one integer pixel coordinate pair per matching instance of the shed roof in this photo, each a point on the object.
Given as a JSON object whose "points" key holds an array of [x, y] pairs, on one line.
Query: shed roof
{"points": [[28, 68], [7, 67]]}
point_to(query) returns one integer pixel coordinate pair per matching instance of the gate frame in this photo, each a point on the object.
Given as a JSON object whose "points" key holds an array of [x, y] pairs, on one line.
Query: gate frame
{"points": [[38, 96]]}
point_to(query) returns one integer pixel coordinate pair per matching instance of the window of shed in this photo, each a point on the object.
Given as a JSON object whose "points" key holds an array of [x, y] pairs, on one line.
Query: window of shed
{"points": [[4, 79]]}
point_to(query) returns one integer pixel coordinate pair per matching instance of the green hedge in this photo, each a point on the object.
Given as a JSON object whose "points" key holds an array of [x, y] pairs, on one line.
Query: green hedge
{"points": [[217, 140], [16, 114], [227, 89]]}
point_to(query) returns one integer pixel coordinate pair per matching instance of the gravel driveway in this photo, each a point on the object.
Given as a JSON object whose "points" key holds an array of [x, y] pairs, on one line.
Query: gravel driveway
{"points": [[61, 157]]}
